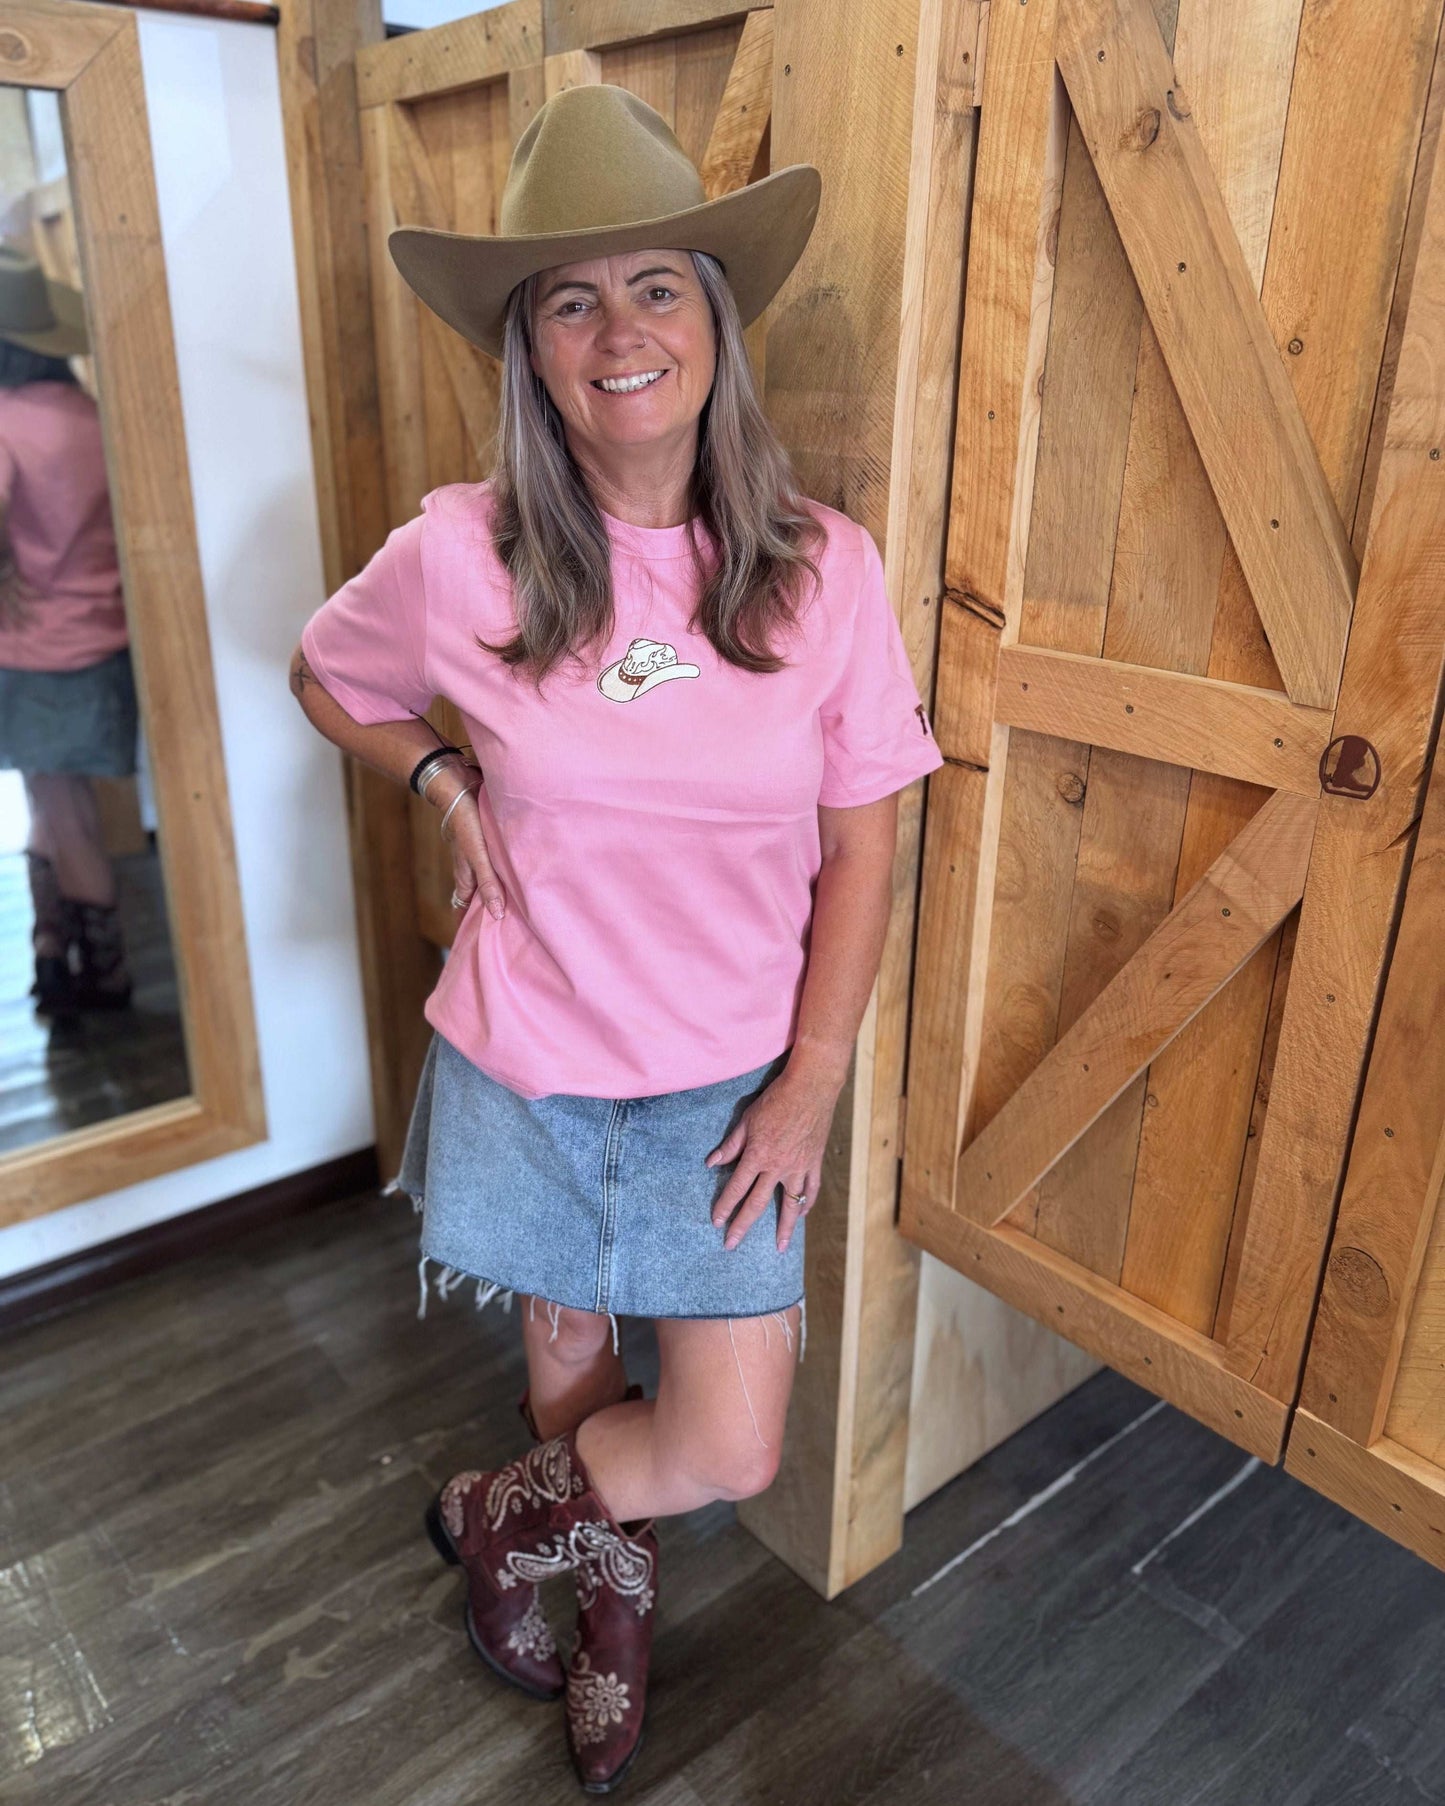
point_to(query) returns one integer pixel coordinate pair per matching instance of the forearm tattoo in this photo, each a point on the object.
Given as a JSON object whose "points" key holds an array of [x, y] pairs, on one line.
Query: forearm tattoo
{"points": [[301, 675]]}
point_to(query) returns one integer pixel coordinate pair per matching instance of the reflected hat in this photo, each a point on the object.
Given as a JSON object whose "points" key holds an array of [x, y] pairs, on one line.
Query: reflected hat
{"points": [[596, 172], [36, 312]]}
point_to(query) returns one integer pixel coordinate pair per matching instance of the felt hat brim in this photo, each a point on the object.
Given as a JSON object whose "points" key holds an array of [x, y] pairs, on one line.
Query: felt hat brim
{"points": [[757, 233]]}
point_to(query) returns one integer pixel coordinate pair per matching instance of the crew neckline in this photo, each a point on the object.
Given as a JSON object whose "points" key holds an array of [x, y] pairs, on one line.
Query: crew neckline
{"points": [[652, 542]]}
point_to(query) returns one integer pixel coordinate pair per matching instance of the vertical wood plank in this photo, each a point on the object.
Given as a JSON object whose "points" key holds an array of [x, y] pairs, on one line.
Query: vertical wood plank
{"points": [[833, 351], [1392, 1187], [1389, 696], [317, 45], [1017, 181]]}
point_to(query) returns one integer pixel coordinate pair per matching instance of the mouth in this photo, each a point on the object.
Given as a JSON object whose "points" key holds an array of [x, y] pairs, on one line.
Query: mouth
{"points": [[632, 387]]}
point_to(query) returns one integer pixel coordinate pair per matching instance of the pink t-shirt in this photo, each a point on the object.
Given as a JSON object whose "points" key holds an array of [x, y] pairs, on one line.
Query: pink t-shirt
{"points": [[52, 474], [657, 839]]}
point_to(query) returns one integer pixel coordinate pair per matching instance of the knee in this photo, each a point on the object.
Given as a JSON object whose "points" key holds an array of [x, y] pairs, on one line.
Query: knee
{"points": [[745, 1472]]}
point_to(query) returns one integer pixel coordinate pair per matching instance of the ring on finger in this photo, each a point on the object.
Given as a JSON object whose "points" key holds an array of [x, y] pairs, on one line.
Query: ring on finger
{"points": [[458, 902]]}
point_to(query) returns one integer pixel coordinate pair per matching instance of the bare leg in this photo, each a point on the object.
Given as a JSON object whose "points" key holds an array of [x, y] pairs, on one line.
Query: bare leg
{"points": [[715, 1429], [73, 839], [572, 1373]]}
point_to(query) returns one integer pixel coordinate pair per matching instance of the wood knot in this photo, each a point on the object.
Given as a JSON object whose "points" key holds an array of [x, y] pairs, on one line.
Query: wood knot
{"points": [[1144, 130], [1360, 1282], [1070, 787], [1177, 102], [14, 48]]}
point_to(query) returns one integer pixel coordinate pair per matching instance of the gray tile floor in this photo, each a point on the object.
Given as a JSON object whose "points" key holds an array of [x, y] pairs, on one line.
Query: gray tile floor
{"points": [[214, 1587]]}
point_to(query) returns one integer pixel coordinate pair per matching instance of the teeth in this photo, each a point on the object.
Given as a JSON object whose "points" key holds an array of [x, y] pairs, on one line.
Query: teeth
{"points": [[621, 385]]}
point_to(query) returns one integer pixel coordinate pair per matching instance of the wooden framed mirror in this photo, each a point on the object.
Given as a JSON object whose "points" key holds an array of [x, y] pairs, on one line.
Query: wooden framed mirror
{"points": [[191, 1015]]}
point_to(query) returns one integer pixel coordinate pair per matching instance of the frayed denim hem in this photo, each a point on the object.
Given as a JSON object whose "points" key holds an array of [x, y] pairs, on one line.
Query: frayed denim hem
{"points": [[450, 1278]]}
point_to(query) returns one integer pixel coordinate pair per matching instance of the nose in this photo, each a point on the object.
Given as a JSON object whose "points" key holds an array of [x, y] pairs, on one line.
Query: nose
{"points": [[619, 331]]}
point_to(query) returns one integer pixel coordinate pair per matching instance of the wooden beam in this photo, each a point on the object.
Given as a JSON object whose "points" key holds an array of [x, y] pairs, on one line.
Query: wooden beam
{"points": [[1246, 421], [1194, 951], [1144, 1344], [571, 69], [1259, 736], [420, 65], [602, 24], [49, 42], [1398, 1492], [744, 111], [319, 42], [834, 353], [417, 200], [1397, 1161], [1005, 330]]}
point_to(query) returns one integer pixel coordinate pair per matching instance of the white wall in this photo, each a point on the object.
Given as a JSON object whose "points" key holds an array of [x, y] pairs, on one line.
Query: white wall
{"points": [[215, 120]]}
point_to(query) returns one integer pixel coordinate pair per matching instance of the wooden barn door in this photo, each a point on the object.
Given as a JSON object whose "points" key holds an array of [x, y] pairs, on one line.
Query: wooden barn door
{"points": [[440, 113], [1189, 657]]}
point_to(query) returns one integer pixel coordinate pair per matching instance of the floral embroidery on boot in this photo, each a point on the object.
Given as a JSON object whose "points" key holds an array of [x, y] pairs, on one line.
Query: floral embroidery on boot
{"points": [[532, 1634], [607, 1676], [595, 1702]]}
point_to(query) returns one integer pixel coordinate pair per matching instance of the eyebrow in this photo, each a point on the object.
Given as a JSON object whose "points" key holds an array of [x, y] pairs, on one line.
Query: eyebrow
{"points": [[660, 269]]}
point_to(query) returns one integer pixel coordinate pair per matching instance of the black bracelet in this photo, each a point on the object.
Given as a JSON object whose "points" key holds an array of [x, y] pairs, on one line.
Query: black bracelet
{"points": [[430, 758]]}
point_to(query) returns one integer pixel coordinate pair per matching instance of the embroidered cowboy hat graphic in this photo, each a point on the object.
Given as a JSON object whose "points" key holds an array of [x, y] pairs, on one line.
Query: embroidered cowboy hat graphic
{"points": [[645, 664]]}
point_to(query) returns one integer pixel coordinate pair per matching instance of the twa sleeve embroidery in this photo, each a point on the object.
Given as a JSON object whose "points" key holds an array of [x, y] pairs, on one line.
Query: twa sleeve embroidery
{"points": [[367, 642], [876, 733]]}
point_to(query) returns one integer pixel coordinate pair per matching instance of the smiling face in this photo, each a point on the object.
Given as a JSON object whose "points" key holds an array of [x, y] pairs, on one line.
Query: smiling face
{"points": [[625, 316]]}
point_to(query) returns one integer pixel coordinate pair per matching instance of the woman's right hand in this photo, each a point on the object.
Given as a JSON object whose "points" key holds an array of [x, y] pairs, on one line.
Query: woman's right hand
{"points": [[472, 869]]}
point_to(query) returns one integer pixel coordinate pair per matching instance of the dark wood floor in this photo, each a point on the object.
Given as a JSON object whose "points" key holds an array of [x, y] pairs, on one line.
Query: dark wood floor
{"points": [[58, 1075], [215, 1588]]}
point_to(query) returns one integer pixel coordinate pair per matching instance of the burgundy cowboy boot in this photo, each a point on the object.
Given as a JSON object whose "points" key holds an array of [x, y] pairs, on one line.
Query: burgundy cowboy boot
{"points": [[607, 1675], [508, 1629], [100, 979], [52, 986], [541, 1515]]}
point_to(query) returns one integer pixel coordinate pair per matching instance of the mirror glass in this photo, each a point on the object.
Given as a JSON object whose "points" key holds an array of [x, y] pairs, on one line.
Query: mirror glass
{"points": [[90, 1020]]}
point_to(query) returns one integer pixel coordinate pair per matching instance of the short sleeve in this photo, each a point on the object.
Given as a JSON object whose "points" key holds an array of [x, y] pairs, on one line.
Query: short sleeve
{"points": [[367, 643], [876, 733]]}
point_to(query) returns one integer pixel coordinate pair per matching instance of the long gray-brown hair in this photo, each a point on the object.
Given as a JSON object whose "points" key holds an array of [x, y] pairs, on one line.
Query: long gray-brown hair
{"points": [[548, 532]]}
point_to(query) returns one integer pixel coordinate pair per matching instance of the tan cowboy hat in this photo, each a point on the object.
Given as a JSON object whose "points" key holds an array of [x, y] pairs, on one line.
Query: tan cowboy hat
{"points": [[37, 313], [598, 171]]}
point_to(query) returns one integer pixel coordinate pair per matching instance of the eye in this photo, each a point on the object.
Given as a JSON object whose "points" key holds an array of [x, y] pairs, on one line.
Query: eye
{"points": [[658, 289]]}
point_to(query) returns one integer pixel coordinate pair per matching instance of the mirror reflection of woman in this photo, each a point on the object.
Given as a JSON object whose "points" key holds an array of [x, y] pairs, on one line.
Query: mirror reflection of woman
{"points": [[67, 693], [691, 711]]}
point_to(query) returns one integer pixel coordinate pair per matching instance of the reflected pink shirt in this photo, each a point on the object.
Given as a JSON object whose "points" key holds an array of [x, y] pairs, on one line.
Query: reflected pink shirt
{"points": [[653, 819], [52, 474]]}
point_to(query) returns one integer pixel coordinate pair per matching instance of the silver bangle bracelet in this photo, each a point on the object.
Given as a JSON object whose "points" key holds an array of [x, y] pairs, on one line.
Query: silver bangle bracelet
{"points": [[444, 763], [466, 790]]}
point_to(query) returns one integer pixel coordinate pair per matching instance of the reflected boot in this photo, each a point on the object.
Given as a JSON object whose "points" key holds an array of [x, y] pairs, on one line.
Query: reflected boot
{"points": [[100, 979], [51, 988], [540, 1516]]}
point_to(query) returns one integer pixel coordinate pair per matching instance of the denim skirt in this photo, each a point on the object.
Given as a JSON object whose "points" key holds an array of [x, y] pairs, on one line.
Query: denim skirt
{"points": [[593, 1203], [82, 722]]}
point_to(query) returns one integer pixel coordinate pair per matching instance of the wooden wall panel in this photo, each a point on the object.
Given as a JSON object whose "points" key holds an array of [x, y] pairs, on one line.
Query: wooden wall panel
{"points": [[1207, 392]]}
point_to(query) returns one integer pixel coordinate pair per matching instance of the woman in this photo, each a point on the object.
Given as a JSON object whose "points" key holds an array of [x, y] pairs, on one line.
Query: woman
{"points": [[693, 711], [67, 693]]}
